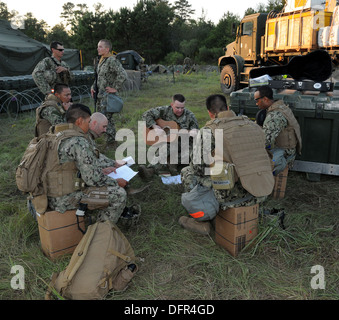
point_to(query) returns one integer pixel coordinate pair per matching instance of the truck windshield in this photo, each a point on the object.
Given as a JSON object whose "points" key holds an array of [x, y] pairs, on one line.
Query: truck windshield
{"points": [[246, 29]]}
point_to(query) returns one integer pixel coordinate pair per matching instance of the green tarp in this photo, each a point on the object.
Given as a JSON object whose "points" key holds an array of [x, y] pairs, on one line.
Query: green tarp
{"points": [[19, 54]]}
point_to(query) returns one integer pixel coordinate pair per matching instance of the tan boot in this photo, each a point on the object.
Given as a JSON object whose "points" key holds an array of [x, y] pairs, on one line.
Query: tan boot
{"points": [[195, 226], [146, 173]]}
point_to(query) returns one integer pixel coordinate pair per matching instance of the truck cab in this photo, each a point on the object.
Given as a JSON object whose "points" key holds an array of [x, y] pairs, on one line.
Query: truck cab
{"points": [[243, 54]]}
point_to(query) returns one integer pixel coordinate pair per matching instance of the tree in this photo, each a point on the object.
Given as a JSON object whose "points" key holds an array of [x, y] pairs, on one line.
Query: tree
{"points": [[35, 29], [58, 33], [183, 10], [72, 14], [4, 13], [150, 25]]}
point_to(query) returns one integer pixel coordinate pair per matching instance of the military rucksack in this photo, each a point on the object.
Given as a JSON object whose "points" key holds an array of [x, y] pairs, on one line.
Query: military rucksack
{"points": [[28, 172], [103, 260]]}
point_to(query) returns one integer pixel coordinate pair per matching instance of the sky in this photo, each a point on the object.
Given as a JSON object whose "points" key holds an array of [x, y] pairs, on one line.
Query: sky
{"points": [[49, 11]]}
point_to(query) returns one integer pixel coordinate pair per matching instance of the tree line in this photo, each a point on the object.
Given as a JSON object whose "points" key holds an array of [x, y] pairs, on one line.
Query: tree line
{"points": [[158, 31]]}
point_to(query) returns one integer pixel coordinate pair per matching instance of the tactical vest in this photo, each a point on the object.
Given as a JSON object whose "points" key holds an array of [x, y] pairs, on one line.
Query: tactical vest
{"points": [[244, 146], [60, 179], [289, 137], [42, 125]]}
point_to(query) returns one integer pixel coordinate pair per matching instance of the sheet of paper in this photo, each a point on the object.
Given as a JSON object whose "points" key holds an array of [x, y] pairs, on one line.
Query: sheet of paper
{"points": [[171, 179], [129, 161], [124, 172]]}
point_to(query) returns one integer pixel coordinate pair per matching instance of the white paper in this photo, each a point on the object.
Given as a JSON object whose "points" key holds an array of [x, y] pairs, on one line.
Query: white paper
{"points": [[124, 172], [129, 161], [171, 179]]}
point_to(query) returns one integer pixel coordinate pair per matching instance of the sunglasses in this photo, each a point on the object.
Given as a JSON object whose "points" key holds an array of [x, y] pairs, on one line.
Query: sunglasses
{"points": [[59, 49]]}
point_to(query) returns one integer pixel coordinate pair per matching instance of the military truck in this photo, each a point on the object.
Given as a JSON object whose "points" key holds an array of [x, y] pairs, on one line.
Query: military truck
{"points": [[266, 39]]}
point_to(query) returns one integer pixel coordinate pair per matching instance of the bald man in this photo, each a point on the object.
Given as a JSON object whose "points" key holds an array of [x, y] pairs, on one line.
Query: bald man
{"points": [[98, 126]]}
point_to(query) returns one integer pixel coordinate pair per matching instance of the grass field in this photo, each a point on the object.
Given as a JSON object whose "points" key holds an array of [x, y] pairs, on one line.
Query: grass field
{"points": [[178, 264]]}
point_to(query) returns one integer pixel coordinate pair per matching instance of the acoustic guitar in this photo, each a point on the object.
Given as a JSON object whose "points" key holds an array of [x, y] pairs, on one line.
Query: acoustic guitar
{"points": [[151, 138]]}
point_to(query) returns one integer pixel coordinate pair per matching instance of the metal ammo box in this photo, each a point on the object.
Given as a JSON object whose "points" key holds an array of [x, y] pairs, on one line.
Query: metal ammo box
{"points": [[318, 116]]}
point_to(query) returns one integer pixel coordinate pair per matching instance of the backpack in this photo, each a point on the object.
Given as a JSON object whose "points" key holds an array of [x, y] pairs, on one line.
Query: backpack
{"points": [[28, 172], [103, 260]]}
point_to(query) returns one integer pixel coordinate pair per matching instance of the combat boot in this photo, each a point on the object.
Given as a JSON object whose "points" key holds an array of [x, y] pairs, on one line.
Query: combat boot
{"points": [[146, 173], [195, 226]]}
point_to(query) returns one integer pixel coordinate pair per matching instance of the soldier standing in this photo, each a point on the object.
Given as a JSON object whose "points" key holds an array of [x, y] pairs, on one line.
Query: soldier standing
{"points": [[52, 70], [110, 76]]}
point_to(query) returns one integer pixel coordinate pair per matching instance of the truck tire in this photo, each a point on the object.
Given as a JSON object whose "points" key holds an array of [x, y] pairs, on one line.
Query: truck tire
{"points": [[228, 79]]}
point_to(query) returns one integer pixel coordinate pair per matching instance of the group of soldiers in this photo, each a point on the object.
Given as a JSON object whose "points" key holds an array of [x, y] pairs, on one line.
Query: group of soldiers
{"points": [[77, 173]]}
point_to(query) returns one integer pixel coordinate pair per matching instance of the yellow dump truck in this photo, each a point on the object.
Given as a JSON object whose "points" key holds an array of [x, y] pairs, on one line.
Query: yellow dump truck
{"points": [[267, 39]]}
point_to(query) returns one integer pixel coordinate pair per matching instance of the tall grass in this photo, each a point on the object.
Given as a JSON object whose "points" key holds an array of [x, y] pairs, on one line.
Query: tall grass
{"points": [[178, 264]]}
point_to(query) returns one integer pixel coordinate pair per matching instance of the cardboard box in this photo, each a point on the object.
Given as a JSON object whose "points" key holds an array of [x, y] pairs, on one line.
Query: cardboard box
{"points": [[236, 227], [280, 184], [59, 233]]}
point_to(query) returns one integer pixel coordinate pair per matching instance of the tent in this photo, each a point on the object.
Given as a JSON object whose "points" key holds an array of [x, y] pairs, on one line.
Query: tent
{"points": [[130, 59], [19, 54]]}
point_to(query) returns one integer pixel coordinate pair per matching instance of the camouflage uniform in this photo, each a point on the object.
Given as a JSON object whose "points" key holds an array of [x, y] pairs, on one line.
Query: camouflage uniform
{"points": [[52, 112], [109, 73], [80, 150], [45, 76], [187, 64], [274, 123], [186, 121], [195, 174], [105, 162]]}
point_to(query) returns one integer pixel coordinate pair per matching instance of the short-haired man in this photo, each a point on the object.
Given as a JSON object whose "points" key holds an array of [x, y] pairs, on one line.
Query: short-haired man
{"points": [[282, 130], [110, 76], [97, 127], [72, 159], [184, 118], [52, 70], [53, 109], [243, 148]]}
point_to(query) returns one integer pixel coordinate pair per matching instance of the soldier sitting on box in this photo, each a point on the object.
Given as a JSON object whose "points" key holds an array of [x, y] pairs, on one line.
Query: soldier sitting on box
{"points": [[282, 131], [248, 179], [73, 160]]}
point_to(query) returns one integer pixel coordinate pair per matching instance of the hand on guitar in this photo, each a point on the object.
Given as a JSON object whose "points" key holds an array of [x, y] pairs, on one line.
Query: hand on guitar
{"points": [[158, 130]]}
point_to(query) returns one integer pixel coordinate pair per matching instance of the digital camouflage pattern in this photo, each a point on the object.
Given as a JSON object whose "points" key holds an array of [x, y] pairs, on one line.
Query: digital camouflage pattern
{"points": [[79, 150], [45, 76], [110, 73], [274, 123], [195, 174], [186, 121], [104, 161], [52, 111]]}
